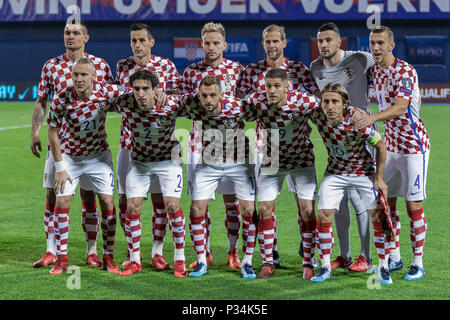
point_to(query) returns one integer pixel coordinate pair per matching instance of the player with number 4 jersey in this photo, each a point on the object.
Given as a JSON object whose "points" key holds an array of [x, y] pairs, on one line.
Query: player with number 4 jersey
{"points": [[408, 146]]}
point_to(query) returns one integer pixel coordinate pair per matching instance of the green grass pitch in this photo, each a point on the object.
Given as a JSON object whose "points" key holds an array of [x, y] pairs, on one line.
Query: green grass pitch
{"points": [[22, 238]]}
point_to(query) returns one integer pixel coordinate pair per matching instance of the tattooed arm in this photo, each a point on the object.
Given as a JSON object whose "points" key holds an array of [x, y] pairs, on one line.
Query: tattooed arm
{"points": [[40, 109]]}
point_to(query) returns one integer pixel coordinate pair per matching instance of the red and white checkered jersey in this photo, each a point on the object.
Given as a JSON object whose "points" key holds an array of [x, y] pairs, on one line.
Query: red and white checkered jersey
{"points": [[217, 132], [293, 147], [151, 132], [299, 77], [228, 72], [85, 118], [57, 74], [405, 134], [163, 68], [348, 153]]}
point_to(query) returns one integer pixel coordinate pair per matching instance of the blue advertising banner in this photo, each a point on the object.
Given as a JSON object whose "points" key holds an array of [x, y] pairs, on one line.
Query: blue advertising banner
{"points": [[56, 10], [425, 49]]}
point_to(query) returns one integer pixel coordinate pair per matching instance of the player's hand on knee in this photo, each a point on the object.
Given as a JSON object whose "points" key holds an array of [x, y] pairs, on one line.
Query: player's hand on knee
{"points": [[60, 181]]}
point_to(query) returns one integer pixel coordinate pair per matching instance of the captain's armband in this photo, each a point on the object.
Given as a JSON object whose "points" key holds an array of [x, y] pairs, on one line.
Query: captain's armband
{"points": [[374, 139]]}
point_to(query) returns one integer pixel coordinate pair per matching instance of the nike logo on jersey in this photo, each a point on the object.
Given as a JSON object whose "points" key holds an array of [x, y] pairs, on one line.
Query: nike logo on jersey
{"points": [[414, 193]]}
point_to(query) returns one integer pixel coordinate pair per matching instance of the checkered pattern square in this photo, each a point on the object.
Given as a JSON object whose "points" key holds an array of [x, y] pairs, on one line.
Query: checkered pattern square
{"points": [[85, 119], [405, 134], [151, 132], [229, 121], [294, 147], [347, 149], [168, 80]]}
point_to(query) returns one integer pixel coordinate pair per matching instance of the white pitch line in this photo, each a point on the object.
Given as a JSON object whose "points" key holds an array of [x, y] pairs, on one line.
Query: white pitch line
{"points": [[44, 124], [16, 127]]}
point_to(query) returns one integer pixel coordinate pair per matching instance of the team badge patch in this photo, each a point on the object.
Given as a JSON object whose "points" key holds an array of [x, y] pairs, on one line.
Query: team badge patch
{"points": [[349, 72], [228, 123], [293, 116], [227, 79], [160, 121], [406, 82]]}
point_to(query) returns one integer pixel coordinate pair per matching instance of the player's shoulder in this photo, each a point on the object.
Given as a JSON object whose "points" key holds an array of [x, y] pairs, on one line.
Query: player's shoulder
{"points": [[255, 66], [402, 65], [232, 101], [295, 64], [97, 60], [64, 95], [402, 70], [195, 66], [125, 61], [55, 61], [315, 65], [161, 60], [232, 63]]}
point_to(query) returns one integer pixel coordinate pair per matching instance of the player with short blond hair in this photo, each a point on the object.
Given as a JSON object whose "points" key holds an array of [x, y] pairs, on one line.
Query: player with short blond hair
{"points": [[84, 157]]}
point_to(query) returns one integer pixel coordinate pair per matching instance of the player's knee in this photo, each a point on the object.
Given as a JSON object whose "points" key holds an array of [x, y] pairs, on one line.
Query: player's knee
{"points": [[325, 216], [414, 205], [197, 209], [172, 206], [265, 209], [63, 202]]}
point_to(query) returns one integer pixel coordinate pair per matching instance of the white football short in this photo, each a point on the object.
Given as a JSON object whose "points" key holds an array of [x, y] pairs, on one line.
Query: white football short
{"points": [[96, 170], [406, 175], [49, 175], [141, 174], [303, 179], [123, 165], [207, 177], [225, 185], [333, 187]]}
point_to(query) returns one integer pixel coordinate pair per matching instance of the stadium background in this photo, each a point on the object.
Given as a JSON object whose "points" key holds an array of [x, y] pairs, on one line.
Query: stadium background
{"points": [[28, 40]]}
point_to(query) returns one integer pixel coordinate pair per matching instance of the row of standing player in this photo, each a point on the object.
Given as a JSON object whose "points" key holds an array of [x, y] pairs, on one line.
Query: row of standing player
{"points": [[274, 42]]}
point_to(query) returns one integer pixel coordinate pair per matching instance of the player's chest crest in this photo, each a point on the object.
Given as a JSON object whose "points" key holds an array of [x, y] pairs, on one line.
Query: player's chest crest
{"points": [[160, 122], [293, 116], [229, 123], [349, 72]]}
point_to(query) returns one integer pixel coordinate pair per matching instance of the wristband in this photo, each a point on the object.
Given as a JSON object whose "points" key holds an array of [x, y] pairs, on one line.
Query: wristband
{"points": [[59, 166]]}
